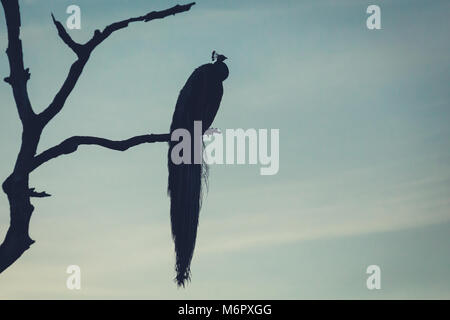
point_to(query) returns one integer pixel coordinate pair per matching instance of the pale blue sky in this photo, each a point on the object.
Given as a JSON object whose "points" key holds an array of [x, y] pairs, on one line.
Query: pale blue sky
{"points": [[364, 152]]}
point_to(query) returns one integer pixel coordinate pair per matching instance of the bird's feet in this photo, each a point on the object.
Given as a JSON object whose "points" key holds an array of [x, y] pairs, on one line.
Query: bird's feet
{"points": [[211, 131]]}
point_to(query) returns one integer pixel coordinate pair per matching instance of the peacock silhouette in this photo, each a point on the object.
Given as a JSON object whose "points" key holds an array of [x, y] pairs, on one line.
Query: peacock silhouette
{"points": [[199, 100]]}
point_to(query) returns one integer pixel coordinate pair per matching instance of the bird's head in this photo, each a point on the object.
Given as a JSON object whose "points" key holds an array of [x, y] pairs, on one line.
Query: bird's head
{"points": [[218, 57], [222, 69]]}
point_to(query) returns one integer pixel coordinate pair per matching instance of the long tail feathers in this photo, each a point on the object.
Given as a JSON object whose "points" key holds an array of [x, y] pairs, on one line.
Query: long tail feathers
{"points": [[184, 189]]}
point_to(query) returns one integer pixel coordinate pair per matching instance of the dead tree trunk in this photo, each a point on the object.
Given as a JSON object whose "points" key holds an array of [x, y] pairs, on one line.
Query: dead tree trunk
{"points": [[17, 239], [17, 185]]}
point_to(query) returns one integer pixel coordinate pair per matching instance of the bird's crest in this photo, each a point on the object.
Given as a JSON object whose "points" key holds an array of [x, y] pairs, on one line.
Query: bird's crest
{"points": [[217, 57]]}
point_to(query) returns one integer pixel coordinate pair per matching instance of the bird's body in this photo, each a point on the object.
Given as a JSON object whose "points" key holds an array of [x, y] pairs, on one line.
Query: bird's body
{"points": [[199, 100]]}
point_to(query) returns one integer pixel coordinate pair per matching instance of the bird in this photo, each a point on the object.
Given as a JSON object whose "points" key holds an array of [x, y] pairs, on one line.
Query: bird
{"points": [[198, 100]]}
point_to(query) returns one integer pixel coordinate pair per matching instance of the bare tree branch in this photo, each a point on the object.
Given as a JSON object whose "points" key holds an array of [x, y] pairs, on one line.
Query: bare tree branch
{"points": [[100, 36], [60, 98], [71, 145], [83, 52], [76, 47], [19, 76]]}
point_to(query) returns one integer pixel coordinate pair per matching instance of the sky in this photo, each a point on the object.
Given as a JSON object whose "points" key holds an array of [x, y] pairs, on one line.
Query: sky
{"points": [[364, 173]]}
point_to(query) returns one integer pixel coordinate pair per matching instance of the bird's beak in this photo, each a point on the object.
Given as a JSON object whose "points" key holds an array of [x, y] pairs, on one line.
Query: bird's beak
{"points": [[224, 58]]}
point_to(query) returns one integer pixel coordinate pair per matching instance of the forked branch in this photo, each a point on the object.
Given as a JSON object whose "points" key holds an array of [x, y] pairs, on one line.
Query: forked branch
{"points": [[83, 52]]}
